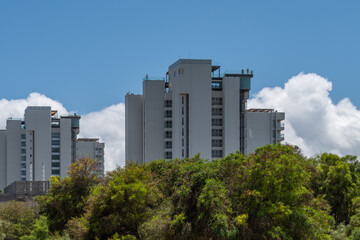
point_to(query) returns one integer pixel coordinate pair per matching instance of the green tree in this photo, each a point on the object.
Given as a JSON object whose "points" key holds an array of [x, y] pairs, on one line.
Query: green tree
{"points": [[337, 179], [40, 230], [6, 229], [273, 191], [122, 203], [21, 215], [67, 196]]}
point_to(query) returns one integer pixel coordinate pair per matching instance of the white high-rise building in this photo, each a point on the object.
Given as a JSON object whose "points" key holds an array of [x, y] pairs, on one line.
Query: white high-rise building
{"points": [[37, 147], [195, 109]]}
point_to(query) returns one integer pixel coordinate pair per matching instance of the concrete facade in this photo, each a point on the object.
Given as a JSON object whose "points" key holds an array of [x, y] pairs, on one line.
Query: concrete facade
{"points": [[93, 149], [193, 110], [134, 130], [264, 126], [2, 159], [37, 147]]}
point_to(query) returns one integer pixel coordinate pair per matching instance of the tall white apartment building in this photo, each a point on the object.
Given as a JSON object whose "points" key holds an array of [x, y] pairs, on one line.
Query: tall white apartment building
{"points": [[194, 110], [37, 147]]}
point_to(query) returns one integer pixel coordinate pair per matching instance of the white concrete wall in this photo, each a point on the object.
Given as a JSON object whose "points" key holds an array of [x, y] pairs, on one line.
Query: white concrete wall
{"points": [[231, 113], [38, 122], [196, 82], [134, 128], [65, 145], [153, 114], [259, 130], [85, 150], [13, 151], [2, 160]]}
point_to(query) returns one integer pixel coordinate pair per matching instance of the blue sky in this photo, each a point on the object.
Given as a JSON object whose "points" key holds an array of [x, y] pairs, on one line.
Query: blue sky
{"points": [[88, 54]]}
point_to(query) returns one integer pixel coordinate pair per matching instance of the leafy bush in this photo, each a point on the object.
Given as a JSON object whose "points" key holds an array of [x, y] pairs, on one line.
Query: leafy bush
{"points": [[21, 215]]}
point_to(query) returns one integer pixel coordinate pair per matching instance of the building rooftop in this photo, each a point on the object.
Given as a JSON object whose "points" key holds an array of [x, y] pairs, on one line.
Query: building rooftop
{"points": [[190, 61], [38, 108], [87, 139], [71, 116], [260, 110]]}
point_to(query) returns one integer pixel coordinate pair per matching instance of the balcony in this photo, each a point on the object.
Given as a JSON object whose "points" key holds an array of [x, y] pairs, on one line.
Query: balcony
{"points": [[216, 86], [280, 116], [280, 137], [280, 126]]}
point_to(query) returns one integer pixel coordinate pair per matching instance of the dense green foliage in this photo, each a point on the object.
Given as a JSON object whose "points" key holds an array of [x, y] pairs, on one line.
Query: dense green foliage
{"points": [[66, 197], [16, 218], [274, 193]]}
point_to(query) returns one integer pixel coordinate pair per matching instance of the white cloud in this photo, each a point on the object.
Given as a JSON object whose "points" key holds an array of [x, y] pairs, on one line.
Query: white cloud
{"points": [[15, 108], [313, 121], [109, 125]]}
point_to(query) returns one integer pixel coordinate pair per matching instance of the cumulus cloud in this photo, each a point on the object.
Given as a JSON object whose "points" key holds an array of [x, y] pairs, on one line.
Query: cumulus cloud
{"points": [[313, 121], [15, 108], [108, 124]]}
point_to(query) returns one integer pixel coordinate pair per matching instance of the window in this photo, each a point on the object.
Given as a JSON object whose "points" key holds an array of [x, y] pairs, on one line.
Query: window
{"points": [[168, 134], [216, 153], [55, 150], [182, 142], [168, 103], [101, 165], [55, 135], [217, 122], [182, 110], [182, 99], [23, 158], [217, 111], [182, 121], [55, 157], [168, 124], [168, 113], [174, 73], [216, 143], [55, 171], [23, 165], [183, 153], [55, 164], [23, 151], [216, 132], [216, 101], [181, 71], [183, 132], [55, 142], [168, 155], [23, 144], [23, 172], [168, 144], [23, 136]]}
